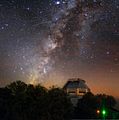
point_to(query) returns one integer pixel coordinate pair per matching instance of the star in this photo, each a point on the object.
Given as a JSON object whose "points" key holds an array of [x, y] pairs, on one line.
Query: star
{"points": [[57, 3], [28, 8], [107, 52], [43, 40]]}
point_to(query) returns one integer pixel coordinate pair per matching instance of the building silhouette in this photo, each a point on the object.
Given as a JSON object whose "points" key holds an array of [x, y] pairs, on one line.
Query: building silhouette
{"points": [[76, 88]]}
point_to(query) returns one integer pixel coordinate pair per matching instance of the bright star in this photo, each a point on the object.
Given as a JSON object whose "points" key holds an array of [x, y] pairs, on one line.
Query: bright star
{"points": [[58, 2]]}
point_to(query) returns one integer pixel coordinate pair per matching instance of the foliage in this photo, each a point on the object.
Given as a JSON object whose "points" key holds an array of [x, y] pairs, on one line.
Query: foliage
{"points": [[90, 103], [19, 101]]}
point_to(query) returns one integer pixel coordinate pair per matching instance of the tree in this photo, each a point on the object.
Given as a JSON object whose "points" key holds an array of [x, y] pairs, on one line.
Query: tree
{"points": [[87, 106], [18, 92], [19, 101], [5, 103], [59, 106], [106, 100], [17, 87]]}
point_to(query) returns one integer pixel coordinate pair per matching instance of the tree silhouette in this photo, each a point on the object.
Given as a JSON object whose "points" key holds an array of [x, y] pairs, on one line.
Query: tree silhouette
{"points": [[90, 103], [19, 101], [59, 106], [5, 103]]}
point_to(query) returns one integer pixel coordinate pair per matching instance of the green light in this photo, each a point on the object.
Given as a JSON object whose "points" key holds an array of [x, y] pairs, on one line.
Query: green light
{"points": [[104, 112]]}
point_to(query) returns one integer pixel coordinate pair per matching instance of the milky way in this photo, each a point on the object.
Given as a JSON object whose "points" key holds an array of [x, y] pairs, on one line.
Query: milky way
{"points": [[49, 41]]}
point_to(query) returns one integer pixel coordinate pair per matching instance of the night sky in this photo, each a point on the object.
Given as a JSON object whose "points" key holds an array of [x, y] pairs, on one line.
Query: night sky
{"points": [[50, 41]]}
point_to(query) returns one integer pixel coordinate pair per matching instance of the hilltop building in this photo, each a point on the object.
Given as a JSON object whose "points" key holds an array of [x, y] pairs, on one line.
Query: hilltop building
{"points": [[76, 88]]}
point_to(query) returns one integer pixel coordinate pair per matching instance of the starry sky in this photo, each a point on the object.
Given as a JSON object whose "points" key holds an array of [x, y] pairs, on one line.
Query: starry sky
{"points": [[50, 41]]}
